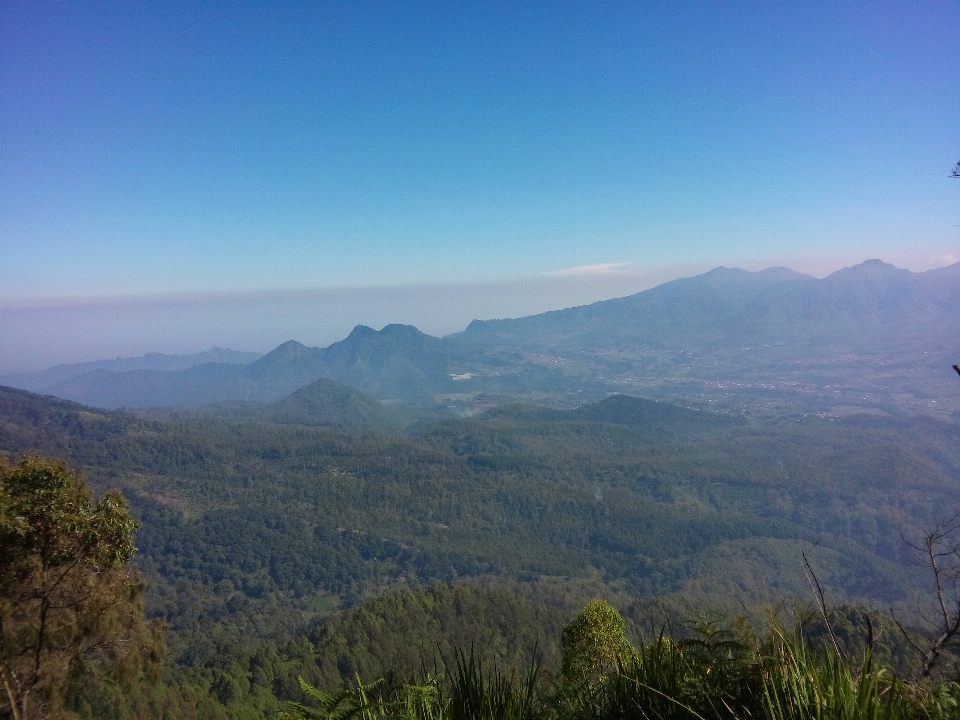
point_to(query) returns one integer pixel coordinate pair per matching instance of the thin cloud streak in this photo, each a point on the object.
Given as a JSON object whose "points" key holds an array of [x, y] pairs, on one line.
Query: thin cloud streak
{"points": [[600, 269]]}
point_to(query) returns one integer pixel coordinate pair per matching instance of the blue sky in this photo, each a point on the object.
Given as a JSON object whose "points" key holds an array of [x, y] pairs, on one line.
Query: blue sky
{"points": [[153, 151]]}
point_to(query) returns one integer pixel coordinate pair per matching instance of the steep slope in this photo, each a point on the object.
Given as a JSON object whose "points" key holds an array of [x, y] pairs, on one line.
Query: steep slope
{"points": [[872, 307], [290, 365], [400, 362]]}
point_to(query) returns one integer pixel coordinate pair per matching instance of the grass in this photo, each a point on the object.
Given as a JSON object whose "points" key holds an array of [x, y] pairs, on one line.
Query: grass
{"points": [[710, 677]]}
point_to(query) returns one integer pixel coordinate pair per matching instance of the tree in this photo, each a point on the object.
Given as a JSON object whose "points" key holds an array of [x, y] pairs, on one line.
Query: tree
{"points": [[594, 644], [939, 553], [68, 600]]}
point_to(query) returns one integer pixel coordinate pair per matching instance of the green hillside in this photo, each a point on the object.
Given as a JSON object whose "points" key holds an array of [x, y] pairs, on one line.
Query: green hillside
{"points": [[323, 402], [254, 531]]}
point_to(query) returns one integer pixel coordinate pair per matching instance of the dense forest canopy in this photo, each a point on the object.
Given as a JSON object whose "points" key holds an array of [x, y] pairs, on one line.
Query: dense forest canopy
{"points": [[254, 530]]}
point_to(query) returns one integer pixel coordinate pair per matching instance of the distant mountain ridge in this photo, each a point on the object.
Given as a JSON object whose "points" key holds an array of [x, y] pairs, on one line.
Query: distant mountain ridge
{"points": [[684, 305], [867, 306], [40, 381], [398, 362], [773, 341]]}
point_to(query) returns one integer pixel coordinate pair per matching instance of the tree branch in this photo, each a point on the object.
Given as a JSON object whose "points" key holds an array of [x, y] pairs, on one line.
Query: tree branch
{"points": [[6, 674], [818, 593]]}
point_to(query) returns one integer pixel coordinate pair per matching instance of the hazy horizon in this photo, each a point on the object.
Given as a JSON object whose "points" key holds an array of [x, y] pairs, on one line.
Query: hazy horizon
{"points": [[176, 175], [39, 335]]}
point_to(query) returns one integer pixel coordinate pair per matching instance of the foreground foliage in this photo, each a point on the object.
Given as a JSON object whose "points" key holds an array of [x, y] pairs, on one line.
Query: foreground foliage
{"points": [[258, 538], [710, 676], [68, 602]]}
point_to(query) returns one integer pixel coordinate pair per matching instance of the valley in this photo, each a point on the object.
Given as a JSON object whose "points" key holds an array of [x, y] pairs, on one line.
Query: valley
{"points": [[258, 526], [639, 449]]}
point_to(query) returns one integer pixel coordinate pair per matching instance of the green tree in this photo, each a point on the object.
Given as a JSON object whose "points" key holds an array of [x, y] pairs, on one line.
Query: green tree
{"points": [[68, 600], [594, 644]]}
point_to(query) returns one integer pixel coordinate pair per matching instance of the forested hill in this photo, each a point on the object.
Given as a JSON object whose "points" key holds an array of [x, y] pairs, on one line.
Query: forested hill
{"points": [[653, 497], [254, 530], [323, 402]]}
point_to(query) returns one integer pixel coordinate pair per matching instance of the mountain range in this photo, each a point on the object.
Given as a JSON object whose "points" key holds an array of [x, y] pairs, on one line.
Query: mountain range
{"points": [[873, 307], [771, 342], [39, 381]]}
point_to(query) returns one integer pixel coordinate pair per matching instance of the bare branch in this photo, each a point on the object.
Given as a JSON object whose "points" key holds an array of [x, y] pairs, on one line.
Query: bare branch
{"points": [[930, 542], [818, 593], [906, 635], [940, 553], [8, 682]]}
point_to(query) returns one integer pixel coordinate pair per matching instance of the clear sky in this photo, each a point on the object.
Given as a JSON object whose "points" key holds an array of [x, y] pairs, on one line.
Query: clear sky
{"points": [[220, 153]]}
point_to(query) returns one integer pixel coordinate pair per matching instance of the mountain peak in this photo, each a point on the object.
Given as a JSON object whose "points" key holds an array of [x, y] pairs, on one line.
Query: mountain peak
{"points": [[478, 326], [771, 274], [393, 331], [397, 329], [290, 347], [873, 269], [288, 354], [361, 331]]}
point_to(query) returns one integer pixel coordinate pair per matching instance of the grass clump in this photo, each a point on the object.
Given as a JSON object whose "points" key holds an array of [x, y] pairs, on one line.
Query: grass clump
{"points": [[713, 675]]}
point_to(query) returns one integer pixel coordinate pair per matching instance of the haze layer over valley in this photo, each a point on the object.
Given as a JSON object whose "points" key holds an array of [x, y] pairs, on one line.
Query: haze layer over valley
{"points": [[867, 338]]}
